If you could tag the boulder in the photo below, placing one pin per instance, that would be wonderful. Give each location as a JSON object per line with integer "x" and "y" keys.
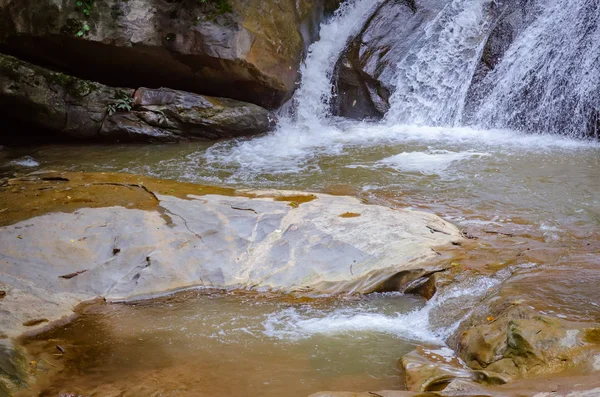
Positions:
{"x": 523, "y": 343}
{"x": 278, "y": 241}
{"x": 240, "y": 49}
{"x": 85, "y": 110}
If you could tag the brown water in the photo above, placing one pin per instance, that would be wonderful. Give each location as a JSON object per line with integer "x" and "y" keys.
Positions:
{"x": 542, "y": 192}
{"x": 206, "y": 344}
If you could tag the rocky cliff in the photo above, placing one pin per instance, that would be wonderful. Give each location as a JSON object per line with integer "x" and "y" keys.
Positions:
{"x": 245, "y": 50}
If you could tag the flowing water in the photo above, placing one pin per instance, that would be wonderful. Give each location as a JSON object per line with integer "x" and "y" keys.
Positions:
{"x": 433, "y": 77}
{"x": 549, "y": 77}
{"x": 206, "y": 343}
{"x": 540, "y": 190}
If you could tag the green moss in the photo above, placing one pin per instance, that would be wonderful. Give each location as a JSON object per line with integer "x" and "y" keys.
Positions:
{"x": 10, "y": 67}
{"x": 59, "y": 79}
{"x": 81, "y": 88}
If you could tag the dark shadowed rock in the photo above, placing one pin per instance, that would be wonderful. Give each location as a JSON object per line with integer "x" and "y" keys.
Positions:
{"x": 86, "y": 110}
{"x": 249, "y": 50}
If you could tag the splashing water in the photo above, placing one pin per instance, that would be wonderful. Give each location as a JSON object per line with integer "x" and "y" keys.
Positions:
{"x": 416, "y": 325}
{"x": 433, "y": 82}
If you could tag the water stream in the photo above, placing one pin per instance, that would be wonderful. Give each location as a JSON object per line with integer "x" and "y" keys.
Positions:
{"x": 542, "y": 188}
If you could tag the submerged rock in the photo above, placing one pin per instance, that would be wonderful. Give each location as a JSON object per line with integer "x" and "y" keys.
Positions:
{"x": 86, "y": 110}
{"x": 246, "y": 50}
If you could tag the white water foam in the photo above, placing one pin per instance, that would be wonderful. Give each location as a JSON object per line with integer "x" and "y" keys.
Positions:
{"x": 292, "y": 150}
{"x": 548, "y": 78}
{"x": 434, "y": 78}
{"x": 26, "y": 161}
{"x": 294, "y": 324}
{"x": 429, "y": 162}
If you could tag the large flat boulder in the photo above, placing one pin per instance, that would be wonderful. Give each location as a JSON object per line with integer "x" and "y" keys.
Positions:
{"x": 86, "y": 110}
{"x": 246, "y": 50}
{"x": 310, "y": 244}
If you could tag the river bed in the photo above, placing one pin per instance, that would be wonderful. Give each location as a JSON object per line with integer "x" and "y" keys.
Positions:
{"x": 531, "y": 199}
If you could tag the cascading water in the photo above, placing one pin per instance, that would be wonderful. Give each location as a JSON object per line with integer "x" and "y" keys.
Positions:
{"x": 432, "y": 85}
{"x": 549, "y": 79}
{"x": 311, "y": 100}
{"x": 433, "y": 77}
{"x": 302, "y": 125}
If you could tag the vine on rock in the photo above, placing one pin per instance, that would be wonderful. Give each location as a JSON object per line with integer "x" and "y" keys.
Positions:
{"x": 86, "y": 8}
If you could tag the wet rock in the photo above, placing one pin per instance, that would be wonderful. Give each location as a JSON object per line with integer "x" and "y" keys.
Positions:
{"x": 331, "y": 5}
{"x": 522, "y": 343}
{"x": 13, "y": 369}
{"x": 430, "y": 283}
{"x": 85, "y": 110}
{"x": 32, "y": 323}
{"x": 259, "y": 241}
{"x": 246, "y": 50}
{"x": 432, "y": 369}
{"x": 366, "y": 70}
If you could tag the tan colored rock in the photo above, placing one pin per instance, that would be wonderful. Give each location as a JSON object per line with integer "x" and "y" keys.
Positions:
{"x": 248, "y": 50}
{"x": 428, "y": 369}
{"x": 522, "y": 343}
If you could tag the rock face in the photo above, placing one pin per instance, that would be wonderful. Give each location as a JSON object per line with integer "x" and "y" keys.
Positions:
{"x": 366, "y": 70}
{"x": 523, "y": 343}
{"x": 86, "y": 110}
{"x": 246, "y": 50}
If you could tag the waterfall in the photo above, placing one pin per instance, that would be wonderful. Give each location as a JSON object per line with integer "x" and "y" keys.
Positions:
{"x": 433, "y": 77}
{"x": 311, "y": 100}
{"x": 549, "y": 79}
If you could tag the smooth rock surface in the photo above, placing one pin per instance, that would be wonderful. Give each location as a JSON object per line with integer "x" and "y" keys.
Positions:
{"x": 52, "y": 262}
{"x": 79, "y": 109}
{"x": 246, "y": 50}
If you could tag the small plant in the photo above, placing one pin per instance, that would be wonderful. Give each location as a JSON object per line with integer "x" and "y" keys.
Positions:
{"x": 123, "y": 103}
{"x": 85, "y": 6}
{"x": 85, "y": 28}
